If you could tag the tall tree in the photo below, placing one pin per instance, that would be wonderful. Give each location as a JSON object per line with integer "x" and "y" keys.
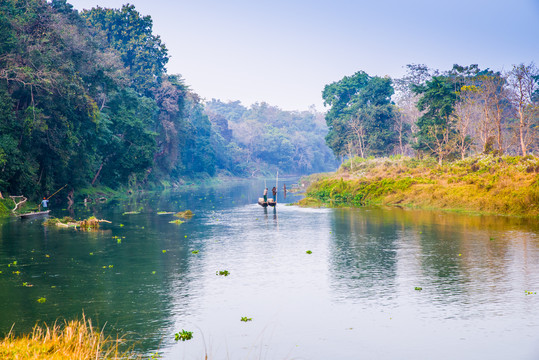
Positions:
{"x": 364, "y": 101}
{"x": 436, "y": 132}
{"x": 131, "y": 35}
{"x": 524, "y": 84}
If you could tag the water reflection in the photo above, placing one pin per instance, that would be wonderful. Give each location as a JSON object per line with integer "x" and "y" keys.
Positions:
{"x": 344, "y": 299}
{"x": 378, "y": 254}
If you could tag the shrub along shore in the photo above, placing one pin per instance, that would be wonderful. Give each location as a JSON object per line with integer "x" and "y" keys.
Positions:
{"x": 486, "y": 184}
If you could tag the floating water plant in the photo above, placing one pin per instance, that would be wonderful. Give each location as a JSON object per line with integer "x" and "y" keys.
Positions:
{"x": 187, "y": 214}
{"x": 131, "y": 213}
{"x": 176, "y": 222}
{"x": 154, "y": 272}
{"x": 41, "y": 300}
{"x": 418, "y": 288}
{"x": 92, "y": 223}
{"x": 222, "y": 272}
{"x": 25, "y": 284}
{"x": 245, "y": 319}
{"x": 164, "y": 212}
{"x": 183, "y": 335}
{"x": 309, "y": 252}
{"x": 194, "y": 252}
{"x": 530, "y": 292}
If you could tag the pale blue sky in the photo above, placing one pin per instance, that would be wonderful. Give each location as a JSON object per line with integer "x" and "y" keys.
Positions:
{"x": 285, "y": 51}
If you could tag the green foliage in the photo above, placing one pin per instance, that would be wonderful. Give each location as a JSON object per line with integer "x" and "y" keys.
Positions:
{"x": 245, "y": 319}
{"x": 130, "y": 34}
{"x": 437, "y": 100}
{"x": 85, "y": 100}
{"x": 361, "y": 119}
{"x": 183, "y": 335}
{"x": 222, "y": 272}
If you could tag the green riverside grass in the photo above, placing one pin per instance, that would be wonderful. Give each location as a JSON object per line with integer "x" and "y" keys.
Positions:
{"x": 483, "y": 184}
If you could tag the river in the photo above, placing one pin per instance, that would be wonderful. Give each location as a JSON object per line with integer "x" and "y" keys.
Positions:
{"x": 369, "y": 283}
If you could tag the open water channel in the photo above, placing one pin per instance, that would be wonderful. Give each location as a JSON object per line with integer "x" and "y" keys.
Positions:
{"x": 355, "y": 296}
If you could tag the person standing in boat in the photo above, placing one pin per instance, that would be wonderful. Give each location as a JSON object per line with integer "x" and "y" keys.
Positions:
{"x": 266, "y": 195}
{"x": 274, "y": 192}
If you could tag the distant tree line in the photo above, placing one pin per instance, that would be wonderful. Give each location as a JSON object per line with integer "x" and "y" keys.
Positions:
{"x": 447, "y": 115}
{"x": 85, "y": 99}
{"x": 263, "y": 138}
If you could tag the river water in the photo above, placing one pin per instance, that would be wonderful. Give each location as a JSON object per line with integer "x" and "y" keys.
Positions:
{"x": 355, "y": 296}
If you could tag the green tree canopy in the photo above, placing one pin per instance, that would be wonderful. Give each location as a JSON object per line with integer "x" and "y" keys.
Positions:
{"x": 361, "y": 116}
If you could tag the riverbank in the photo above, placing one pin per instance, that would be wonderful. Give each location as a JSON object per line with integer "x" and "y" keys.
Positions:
{"x": 507, "y": 185}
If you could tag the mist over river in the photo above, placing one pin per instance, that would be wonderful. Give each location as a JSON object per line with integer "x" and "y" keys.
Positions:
{"x": 368, "y": 283}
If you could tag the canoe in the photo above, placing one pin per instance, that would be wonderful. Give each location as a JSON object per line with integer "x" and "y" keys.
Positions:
{"x": 272, "y": 202}
{"x": 262, "y": 203}
{"x": 34, "y": 214}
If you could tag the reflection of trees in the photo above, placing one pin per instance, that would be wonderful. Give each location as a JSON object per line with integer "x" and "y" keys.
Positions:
{"x": 455, "y": 258}
{"x": 363, "y": 255}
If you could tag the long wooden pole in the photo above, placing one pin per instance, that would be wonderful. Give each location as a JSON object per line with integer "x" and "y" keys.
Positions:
{"x": 57, "y": 191}
{"x": 276, "y": 187}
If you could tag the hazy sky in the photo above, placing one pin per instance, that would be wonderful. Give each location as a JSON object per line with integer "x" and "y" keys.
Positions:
{"x": 285, "y": 51}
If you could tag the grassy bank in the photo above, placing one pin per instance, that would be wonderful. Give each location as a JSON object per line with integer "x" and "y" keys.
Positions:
{"x": 77, "y": 339}
{"x": 507, "y": 185}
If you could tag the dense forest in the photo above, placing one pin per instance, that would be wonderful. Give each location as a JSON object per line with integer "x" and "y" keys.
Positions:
{"x": 265, "y": 137}
{"x": 85, "y": 100}
{"x": 446, "y": 115}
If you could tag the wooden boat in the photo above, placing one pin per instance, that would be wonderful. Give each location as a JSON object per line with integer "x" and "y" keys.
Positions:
{"x": 263, "y": 203}
{"x": 34, "y": 214}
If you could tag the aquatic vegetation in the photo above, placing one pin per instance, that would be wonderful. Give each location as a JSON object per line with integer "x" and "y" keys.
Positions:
{"x": 530, "y": 292}
{"x": 131, "y": 213}
{"x": 309, "y": 252}
{"x": 92, "y": 223}
{"x": 41, "y": 300}
{"x": 26, "y": 284}
{"x": 222, "y": 272}
{"x": 183, "y": 335}
{"x": 91, "y": 253}
{"x": 62, "y": 341}
{"x": 194, "y": 252}
{"x": 178, "y": 221}
{"x": 154, "y": 272}
{"x": 164, "y": 251}
{"x": 187, "y": 214}
{"x": 165, "y": 212}
{"x": 245, "y": 319}
{"x": 418, "y": 288}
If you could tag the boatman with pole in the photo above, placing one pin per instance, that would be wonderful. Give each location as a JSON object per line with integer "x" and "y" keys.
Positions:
{"x": 44, "y": 203}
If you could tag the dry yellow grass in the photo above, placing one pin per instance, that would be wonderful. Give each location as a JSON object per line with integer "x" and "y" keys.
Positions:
{"x": 76, "y": 339}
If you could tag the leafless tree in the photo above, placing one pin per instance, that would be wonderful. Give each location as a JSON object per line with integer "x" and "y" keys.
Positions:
{"x": 358, "y": 131}
{"x": 523, "y": 82}
{"x": 466, "y": 113}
